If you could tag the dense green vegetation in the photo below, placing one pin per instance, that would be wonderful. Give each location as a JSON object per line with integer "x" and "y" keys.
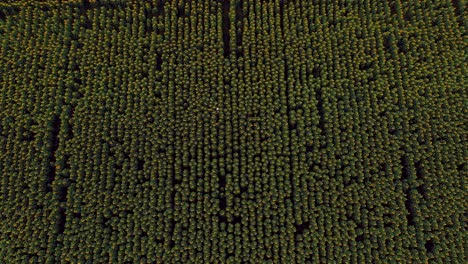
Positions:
{"x": 234, "y": 131}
